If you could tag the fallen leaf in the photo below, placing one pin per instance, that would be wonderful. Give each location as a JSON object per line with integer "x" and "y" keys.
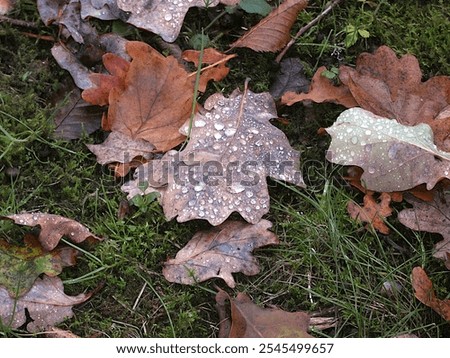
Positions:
{"x": 394, "y": 157}
{"x": 21, "y": 265}
{"x": 433, "y": 217}
{"x": 272, "y": 33}
{"x": 76, "y": 117}
{"x": 219, "y": 252}
{"x": 290, "y": 77}
{"x": 154, "y": 102}
{"x": 373, "y": 211}
{"x": 101, "y": 9}
{"x": 217, "y": 69}
{"x": 424, "y": 292}
{"x": 322, "y": 90}
{"x": 251, "y": 321}
{"x": 54, "y": 332}
{"x": 46, "y": 303}
{"x": 53, "y": 228}
{"x": 223, "y": 168}
{"x": 6, "y": 6}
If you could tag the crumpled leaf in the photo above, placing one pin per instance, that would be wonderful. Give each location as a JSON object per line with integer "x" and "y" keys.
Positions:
{"x": 394, "y": 157}
{"x": 232, "y": 148}
{"x": 272, "y": 33}
{"x": 321, "y": 90}
{"x": 290, "y": 77}
{"x": 76, "y": 117}
{"x": 155, "y": 100}
{"x": 372, "y": 211}
{"x": 21, "y": 265}
{"x": 163, "y": 17}
{"x": 53, "y": 228}
{"x": 251, "y": 321}
{"x": 217, "y": 69}
{"x": 424, "y": 292}
{"x": 431, "y": 217}
{"x": 219, "y": 252}
{"x": 46, "y": 302}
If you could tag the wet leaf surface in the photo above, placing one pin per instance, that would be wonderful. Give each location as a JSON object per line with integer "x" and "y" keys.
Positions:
{"x": 219, "y": 252}
{"x": 232, "y": 149}
{"x": 46, "y": 303}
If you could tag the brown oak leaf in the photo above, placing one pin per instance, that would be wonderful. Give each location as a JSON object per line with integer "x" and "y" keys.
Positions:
{"x": 223, "y": 168}
{"x": 271, "y": 34}
{"x": 433, "y": 217}
{"x": 248, "y": 320}
{"x": 219, "y": 252}
{"x": 424, "y": 292}
{"x": 53, "y": 228}
{"x": 46, "y": 303}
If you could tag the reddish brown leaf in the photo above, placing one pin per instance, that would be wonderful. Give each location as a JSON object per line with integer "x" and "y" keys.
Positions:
{"x": 104, "y": 84}
{"x": 424, "y": 292}
{"x": 219, "y": 252}
{"x": 372, "y": 211}
{"x": 6, "y": 6}
{"x": 46, "y": 303}
{"x": 251, "y": 321}
{"x": 216, "y": 60}
{"x": 431, "y": 216}
{"x": 322, "y": 90}
{"x": 53, "y": 228}
{"x": 272, "y": 33}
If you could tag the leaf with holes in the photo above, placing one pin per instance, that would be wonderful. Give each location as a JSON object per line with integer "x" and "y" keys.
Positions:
{"x": 219, "y": 252}
{"x": 46, "y": 303}
{"x": 433, "y": 217}
{"x": 248, "y": 320}
{"x": 232, "y": 149}
{"x": 53, "y": 228}
{"x": 394, "y": 157}
{"x": 21, "y": 265}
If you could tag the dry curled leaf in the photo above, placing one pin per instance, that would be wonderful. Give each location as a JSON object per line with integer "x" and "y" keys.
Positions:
{"x": 394, "y": 157}
{"x": 251, "y": 321}
{"x": 272, "y": 33}
{"x": 219, "y": 252}
{"x": 373, "y": 211}
{"x": 46, "y": 303}
{"x": 424, "y": 292}
{"x": 53, "y": 228}
{"x": 322, "y": 90}
{"x": 232, "y": 149}
{"x": 433, "y": 217}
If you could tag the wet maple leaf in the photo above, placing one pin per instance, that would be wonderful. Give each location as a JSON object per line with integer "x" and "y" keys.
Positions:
{"x": 431, "y": 216}
{"x": 424, "y": 292}
{"x": 232, "y": 149}
{"x": 46, "y": 303}
{"x": 272, "y": 33}
{"x": 394, "y": 157}
{"x": 219, "y": 252}
{"x": 53, "y": 228}
{"x": 251, "y": 321}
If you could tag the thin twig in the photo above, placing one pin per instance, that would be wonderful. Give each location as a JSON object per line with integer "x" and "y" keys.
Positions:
{"x": 16, "y": 22}
{"x": 39, "y": 37}
{"x": 306, "y": 28}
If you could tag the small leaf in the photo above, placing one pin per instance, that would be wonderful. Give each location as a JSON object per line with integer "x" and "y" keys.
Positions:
{"x": 46, "y": 303}
{"x": 260, "y": 7}
{"x": 290, "y": 78}
{"x": 364, "y": 33}
{"x": 219, "y": 252}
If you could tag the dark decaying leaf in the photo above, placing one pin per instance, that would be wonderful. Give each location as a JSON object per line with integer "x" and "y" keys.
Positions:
{"x": 232, "y": 149}
{"x": 53, "y": 228}
{"x": 290, "y": 77}
{"x": 431, "y": 216}
{"x": 21, "y": 265}
{"x": 272, "y": 33}
{"x": 251, "y": 321}
{"x": 46, "y": 303}
{"x": 219, "y": 252}
{"x": 76, "y": 117}
{"x": 394, "y": 157}
{"x": 424, "y": 292}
